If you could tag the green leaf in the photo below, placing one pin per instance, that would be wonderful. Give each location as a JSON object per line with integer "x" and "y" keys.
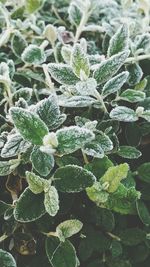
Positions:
{"x": 99, "y": 166}
{"x": 49, "y": 112}
{"x": 68, "y": 228}
{"x": 129, "y": 152}
{"x": 6, "y": 259}
{"x": 74, "y": 14}
{"x": 7, "y": 167}
{"x": 36, "y": 183}
{"x": 114, "y": 175}
{"x": 18, "y": 44}
{"x": 135, "y": 74}
{"x": 119, "y": 263}
{"x": 4, "y": 207}
{"x": 42, "y": 162}
{"x": 51, "y": 201}
{"x": 97, "y": 194}
{"x": 62, "y": 73}
{"x": 73, "y": 138}
{"x": 125, "y": 114}
{"x": 29, "y": 207}
{"x": 116, "y": 249}
{"x": 132, "y": 236}
{"x": 119, "y": 42}
{"x": 87, "y": 87}
{"x": 109, "y": 67}
{"x": 29, "y": 125}
{"x": 15, "y": 145}
{"x": 145, "y": 115}
{"x": 143, "y": 212}
{"x": 60, "y": 254}
{"x": 77, "y": 101}
{"x": 133, "y": 134}
{"x": 80, "y": 61}
{"x": 115, "y": 84}
{"x": 33, "y": 5}
{"x": 72, "y": 178}
{"x": 132, "y": 96}
{"x": 144, "y": 172}
{"x": 33, "y": 55}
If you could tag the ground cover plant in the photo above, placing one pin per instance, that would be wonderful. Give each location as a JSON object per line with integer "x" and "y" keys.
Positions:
{"x": 74, "y": 133}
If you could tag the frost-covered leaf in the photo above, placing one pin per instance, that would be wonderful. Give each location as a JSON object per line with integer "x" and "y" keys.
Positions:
{"x": 15, "y": 145}
{"x": 29, "y": 125}
{"x": 51, "y": 201}
{"x": 132, "y": 96}
{"x": 33, "y": 5}
{"x": 18, "y": 44}
{"x": 87, "y": 87}
{"x": 114, "y": 84}
{"x": 144, "y": 172}
{"x": 73, "y": 138}
{"x": 25, "y": 93}
{"x": 97, "y": 194}
{"x": 143, "y": 212}
{"x": 68, "y": 228}
{"x": 76, "y": 101}
{"x": 146, "y": 115}
{"x": 114, "y": 175}
{"x": 62, "y": 73}
{"x": 50, "y": 33}
{"x": 129, "y": 152}
{"x": 143, "y": 42}
{"x": 7, "y": 167}
{"x": 42, "y": 162}
{"x": 125, "y": 114}
{"x": 119, "y": 42}
{"x": 109, "y": 67}
{"x": 29, "y": 207}
{"x": 60, "y": 253}
{"x": 72, "y": 178}
{"x": 75, "y": 14}
{"x": 36, "y": 183}
{"x": 80, "y": 61}
{"x": 6, "y": 259}
{"x": 33, "y": 55}
{"x": 135, "y": 74}
{"x": 48, "y": 110}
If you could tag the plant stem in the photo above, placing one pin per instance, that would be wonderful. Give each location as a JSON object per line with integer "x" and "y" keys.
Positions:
{"x": 85, "y": 157}
{"x": 138, "y": 58}
{"x": 48, "y": 78}
{"x": 114, "y": 236}
{"x": 83, "y": 21}
{"x": 99, "y": 97}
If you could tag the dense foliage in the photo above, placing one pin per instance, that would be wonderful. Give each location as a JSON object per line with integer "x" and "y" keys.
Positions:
{"x": 74, "y": 133}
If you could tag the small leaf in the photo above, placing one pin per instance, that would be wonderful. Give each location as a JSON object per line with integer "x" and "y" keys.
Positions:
{"x": 77, "y": 101}
{"x": 75, "y": 14}
{"x": 114, "y": 175}
{"x": 135, "y": 74}
{"x": 129, "y": 152}
{"x": 97, "y": 194}
{"x": 33, "y": 5}
{"x": 60, "y": 253}
{"x": 144, "y": 172}
{"x": 68, "y": 228}
{"x": 29, "y": 207}
{"x": 4, "y": 207}
{"x": 146, "y": 115}
{"x": 6, "y": 259}
{"x": 15, "y": 145}
{"x": 51, "y": 201}
{"x": 132, "y": 96}
{"x": 42, "y": 162}
{"x": 62, "y": 73}
{"x": 79, "y": 61}
{"x": 143, "y": 212}
{"x": 109, "y": 67}
{"x": 50, "y": 33}
{"x": 119, "y": 42}
{"x": 36, "y": 184}
{"x": 87, "y": 87}
{"x": 33, "y": 55}
{"x": 72, "y": 138}
{"x": 48, "y": 110}
{"x": 7, "y": 167}
{"x": 18, "y": 44}
{"x": 29, "y": 125}
{"x": 115, "y": 84}
{"x": 72, "y": 178}
{"x": 125, "y": 114}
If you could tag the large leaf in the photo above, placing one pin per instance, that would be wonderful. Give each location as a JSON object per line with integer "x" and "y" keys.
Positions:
{"x": 29, "y": 125}
{"x": 119, "y": 42}
{"x": 7, "y": 167}
{"x": 72, "y": 138}
{"x": 68, "y": 228}
{"x": 143, "y": 212}
{"x": 60, "y": 254}
{"x": 123, "y": 114}
{"x": 144, "y": 172}
{"x": 109, "y": 67}
{"x": 72, "y": 178}
{"x": 129, "y": 152}
{"x": 29, "y": 207}
{"x": 62, "y": 73}
{"x": 33, "y": 55}
{"x": 6, "y": 259}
